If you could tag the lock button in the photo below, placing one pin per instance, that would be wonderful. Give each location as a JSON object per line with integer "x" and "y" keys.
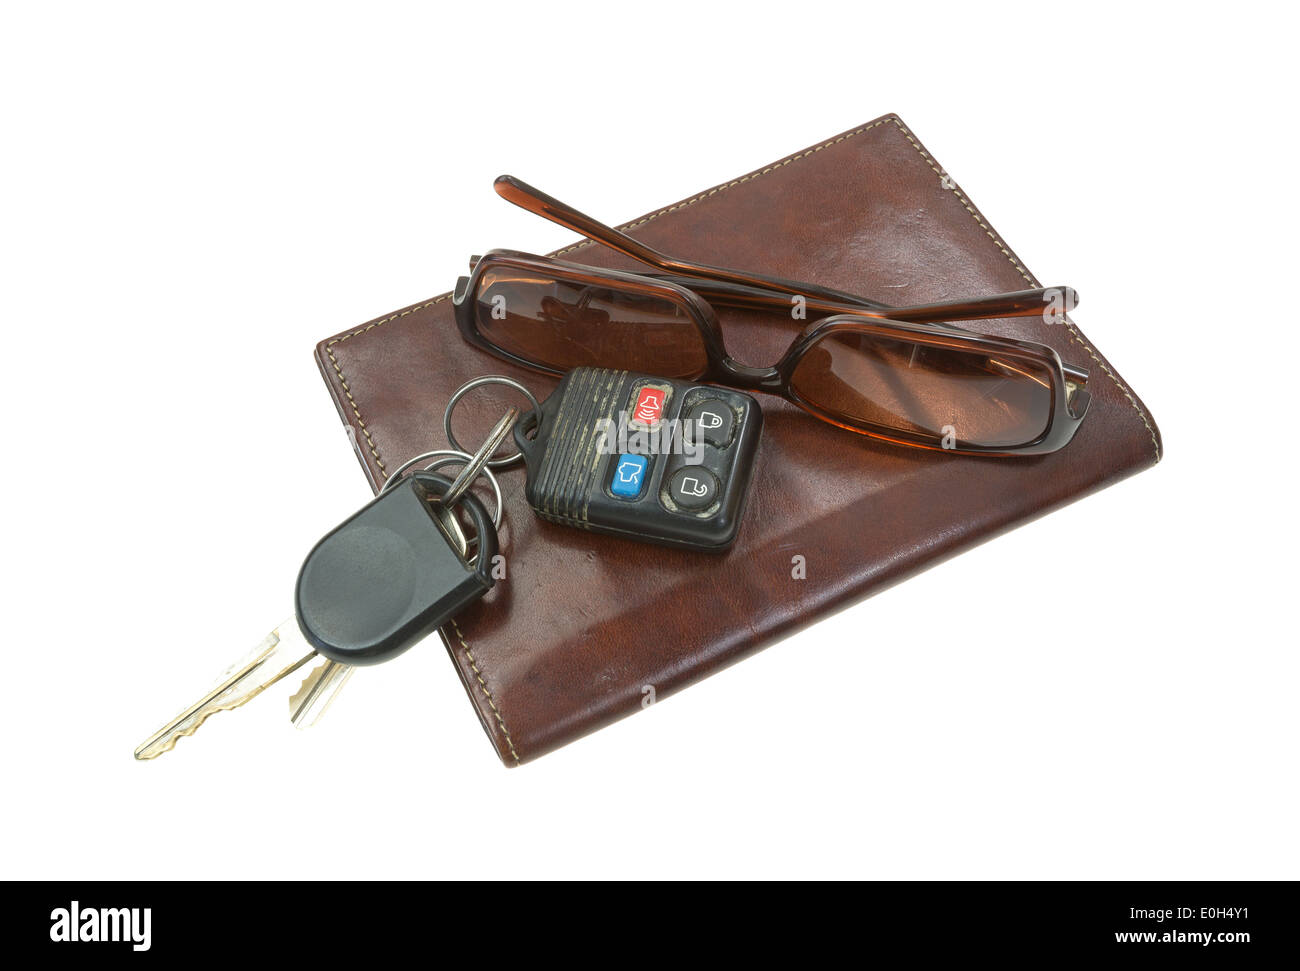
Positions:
{"x": 714, "y": 420}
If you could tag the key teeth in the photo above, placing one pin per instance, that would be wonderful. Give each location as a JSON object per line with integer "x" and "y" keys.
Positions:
{"x": 176, "y": 736}
{"x": 241, "y": 683}
{"x": 297, "y": 699}
{"x": 317, "y": 692}
{"x": 163, "y": 750}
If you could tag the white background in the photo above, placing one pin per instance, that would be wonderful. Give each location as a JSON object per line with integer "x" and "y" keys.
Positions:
{"x": 192, "y": 198}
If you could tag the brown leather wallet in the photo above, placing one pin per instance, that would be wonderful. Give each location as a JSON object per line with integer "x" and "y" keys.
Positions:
{"x": 545, "y": 658}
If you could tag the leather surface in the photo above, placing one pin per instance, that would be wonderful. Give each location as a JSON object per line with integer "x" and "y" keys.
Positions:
{"x": 546, "y": 657}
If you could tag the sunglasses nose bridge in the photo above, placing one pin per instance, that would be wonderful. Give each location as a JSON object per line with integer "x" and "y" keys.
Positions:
{"x": 749, "y": 378}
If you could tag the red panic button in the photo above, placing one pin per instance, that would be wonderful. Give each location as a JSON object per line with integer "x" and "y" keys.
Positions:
{"x": 649, "y": 406}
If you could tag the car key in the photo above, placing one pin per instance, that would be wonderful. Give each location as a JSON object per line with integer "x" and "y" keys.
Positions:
{"x": 371, "y": 588}
{"x": 647, "y": 458}
{"x": 319, "y": 689}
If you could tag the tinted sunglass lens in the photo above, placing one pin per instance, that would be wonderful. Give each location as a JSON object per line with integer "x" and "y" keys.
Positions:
{"x": 562, "y": 323}
{"x": 944, "y": 394}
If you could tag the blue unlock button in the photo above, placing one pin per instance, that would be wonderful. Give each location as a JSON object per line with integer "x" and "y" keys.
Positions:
{"x": 629, "y": 476}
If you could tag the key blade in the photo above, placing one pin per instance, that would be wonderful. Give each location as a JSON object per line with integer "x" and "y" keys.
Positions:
{"x": 274, "y": 658}
{"x": 451, "y": 528}
{"x": 318, "y": 691}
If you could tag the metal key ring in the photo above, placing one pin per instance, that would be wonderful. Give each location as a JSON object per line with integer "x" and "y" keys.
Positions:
{"x": 469, "y": 386}
{"x": 452, "y": 456}
{"x": 470, "y": 472}
{"x": 445, "y": 456}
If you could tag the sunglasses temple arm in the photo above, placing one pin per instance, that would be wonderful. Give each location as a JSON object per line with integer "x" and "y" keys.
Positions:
{"x": 548, "y": 207}
{"x": 1020, "y": 304}
{"x": 1048, "y": 302}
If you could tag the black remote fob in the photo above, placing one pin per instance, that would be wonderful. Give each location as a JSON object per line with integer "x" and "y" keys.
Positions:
{"x": 642, "y": 457}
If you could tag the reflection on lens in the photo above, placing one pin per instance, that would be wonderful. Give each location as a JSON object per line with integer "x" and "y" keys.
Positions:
{"x": 564, "y": 324}
{"x": 939, "y": 393}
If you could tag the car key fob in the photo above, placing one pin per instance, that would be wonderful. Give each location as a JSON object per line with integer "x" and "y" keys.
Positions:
{"x": 642, "y": 457}
{"x": 390, "y": 574}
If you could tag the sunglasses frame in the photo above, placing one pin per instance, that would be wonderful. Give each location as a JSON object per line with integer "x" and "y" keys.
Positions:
{"x": 1070, "y": 398}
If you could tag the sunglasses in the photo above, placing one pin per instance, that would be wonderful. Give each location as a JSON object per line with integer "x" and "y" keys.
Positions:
{"x": 900, "y": 374}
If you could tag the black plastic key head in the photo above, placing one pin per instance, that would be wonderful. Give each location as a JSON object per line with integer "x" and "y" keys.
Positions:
{"x": 389, "y": 575}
